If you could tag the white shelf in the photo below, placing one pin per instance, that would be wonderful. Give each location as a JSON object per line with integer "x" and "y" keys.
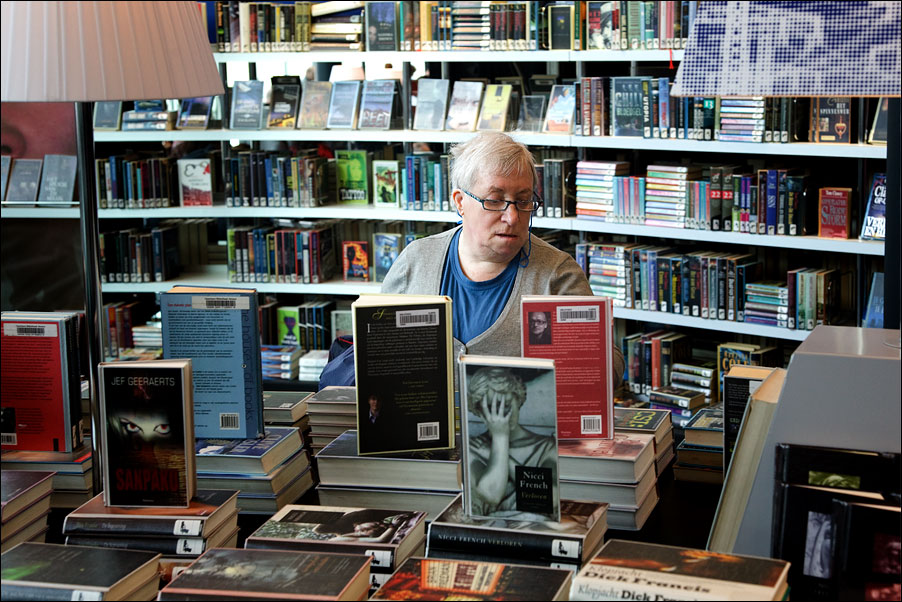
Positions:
{"x": 453, "y": 56}
{"x": 659, "y": 317}
{"x": 798, "y": 149}
{"x": 626, "y": 55}
{"x": 40, "y": 212}
{"x": 327, "y": 212}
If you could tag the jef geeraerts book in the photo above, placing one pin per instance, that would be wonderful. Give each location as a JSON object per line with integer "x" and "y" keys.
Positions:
{"x": 402, "y": 359}
{"x": 148, "y": 443}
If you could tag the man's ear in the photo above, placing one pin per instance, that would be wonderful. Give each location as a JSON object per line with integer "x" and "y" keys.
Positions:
{"x": 458, "y": 197}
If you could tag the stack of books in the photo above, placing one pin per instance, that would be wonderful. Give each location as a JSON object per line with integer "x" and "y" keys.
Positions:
{"x": 269, "y": 473}
{"x": 767, "y": 302}
{"x": 566, "y": 544}
{"x": 742, "y": 119}
{"x": 287, "y": 408}
{"x": 595, "y": 191}
{"x": 682, "y": 403}
{"x": 620, "y": 471}
{"x": 332, "y": 411}
{"x": 280, "y": 361}
{"x": 311, "y": 364}
{"x": 389, "y": 537}
{"x": 341, "y": 30}
{"x": 696, "y": 376}
{"x": 700, "y": 453}
{"x": 148, "y": 336}
{"x": 73, "y": 472}
{"x": 657, "y": 422}
{"x": 149, "y": 115}
{"x": 25, "y": 506}
{"x": 179, "y": 534}
{"x": 46, "y": 571}
{"x": 422, "y": 480}
{"x": 666, "y": 196}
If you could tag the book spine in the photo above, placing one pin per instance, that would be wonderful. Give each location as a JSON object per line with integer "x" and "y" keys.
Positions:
{"x": 506, "y": 543}
{"x": 132, "y": 525}
{"x": 178, "y": 546}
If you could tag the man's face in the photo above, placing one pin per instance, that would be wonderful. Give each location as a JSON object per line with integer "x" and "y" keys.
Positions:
{"x": 375, "y": 404}
{"x": 537, "y": 323}
{"x": 495, "y": 236}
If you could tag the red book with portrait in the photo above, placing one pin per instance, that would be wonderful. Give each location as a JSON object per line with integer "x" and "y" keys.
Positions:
{"x": 148, "y": 442}
{"x": 577, "y": 333}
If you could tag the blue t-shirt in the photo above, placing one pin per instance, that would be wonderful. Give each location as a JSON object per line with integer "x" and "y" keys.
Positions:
{"x": 476, "y": 305}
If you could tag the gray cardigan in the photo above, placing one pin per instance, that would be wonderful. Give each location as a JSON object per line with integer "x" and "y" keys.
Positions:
{"x": 418, "y": 270}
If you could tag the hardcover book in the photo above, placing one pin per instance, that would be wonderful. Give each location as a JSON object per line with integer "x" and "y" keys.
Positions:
{"x": 377, "y": 104}
{"x": 439, "y": 579}
{"x": 637, "y": 570}
{"x": 831, "y": 119}
{"x": 389, "y": 536}
{"x": 432, "y": 102}
{"x": 626, "y": 106}
{"x": 381, "y": 26}
{"x": 577, "y": 333}
{"x": 253, "y": 456}
{"x": 641, "y": 420}
{"x": 21, "y": 489}
{"x": 284, "y": 407}
{"x": 247, "y": 105}
{"x": 738, "y": 384}
{"x": 561, "y": 109}
{"x": 45, "y": 571}
{"x": 493, "y": 114}
{"x": 343, "y": 105}
{"x": 463, "y": 109}
{"x": 573, "y": 540}
{"x": 623, "y": 459}
{"x": 271, "y": 574}
{"x": 195, "y": 182}
{"x": 729, "y": 355}
{"x": 355, "y": 261}
{"x": 560, "y": 27}
{"x": 108, "y": 115}
{"x": 228, "y": 391}
{"x": 386, "y": 183}
{"x": 874, "y": 225}
{"x": 315, "y": 105}
{"x": 24, "y": 179}
{"x": 402, "y": 360}
{"x": 194, "y": 113}
{"x": 510, "y": 395}
{"x": 149, "y": 438}
{"x": 58, "y": 180}
{"x": 386, "y": 247}
{"x": 834, "y": 206}
{"x": 705, "y": 428}
{"x": 285, "y": 101}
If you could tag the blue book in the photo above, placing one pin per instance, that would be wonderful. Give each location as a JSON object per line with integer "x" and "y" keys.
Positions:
{"x": 874, "y": 225}
{"x": 218, "y": 329}
{"x": 253, "y": 456}
{"x": 873, "y": 317}
{"x": 772, "y": 201}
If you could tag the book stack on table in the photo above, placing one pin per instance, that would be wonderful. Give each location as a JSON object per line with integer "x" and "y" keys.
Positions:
{"x": 280, "y": 361}
{"x": 700, "y": 453}
{"x": 73, "y": 472}
{"x": 269, "y": 472}
{"x": 619, "y": 471}
{"x": 179, "y": 534}
{"x": 332, "y": 411}
{"x": 656, "y": 422}
{"x": 25, "y": 506}
{"x": 311, "y": 364}
{"x": 682, "y": 403}
{"x": 287, "y": 409}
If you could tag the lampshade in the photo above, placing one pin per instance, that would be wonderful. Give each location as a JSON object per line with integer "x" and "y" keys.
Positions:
{"x": 91, "y": 51}
{"x": 792, "y": 49}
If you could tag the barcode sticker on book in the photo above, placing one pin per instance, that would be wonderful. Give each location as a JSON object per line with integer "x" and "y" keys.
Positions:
{"x": 187, "y": 528}
{"x": 577, "y": 313}
{"x": 198, "y": 302}
{"x": 590, "y": 425}
{"x": 9, "y": 439}
{"x": 380, "y": 557}
{"x": 29, "y": 330}
{"x": 81, "y": 594}
{"x": 229, "y": 421}
{"x": 427, "y": 431}
{"x": 565, "y": 548}
{"x": 416, "y": 317}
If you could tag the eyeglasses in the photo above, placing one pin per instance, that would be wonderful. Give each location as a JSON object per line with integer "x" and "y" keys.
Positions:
{"x": 496, "y": 205}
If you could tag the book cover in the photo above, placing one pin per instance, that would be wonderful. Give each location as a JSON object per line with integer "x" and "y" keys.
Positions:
{"x": 195, "y": 182}
{"x": 355, "y": 261}
{"x": 343, "y": 105}
{"x": 389, "y": 536}
{"x": 284, "y": 406}
{"x": 58, "y": 180}
{"x": 285, "y": 101}
{"x": 730, "y": 354}
{"x": 623, "y": 459}
{"x": 560, "y": 27}
{"x": 24, "y": 178}
{"x": 873, "y": 315}
{"x": 108, "y": 115}
{"x": 504, "y": 409}
{"x": 194, "y": 113}
{"x": 463, "y": 108}
{"x": 271, "y": 574}
{"x": 386, "y": 247}
{"x": 253, "y": 456}
{"x": 577, "y": 333}
{"x": 561, "y": 108}
{"x": 147, "y": 410}
{"x": 228, "y": 392}
{"x": 642, "y": 420}
{"x": 432, "y": 102}
{"x": 386, "y": 183}
{"x": 20, "y": 489}
{"x": 738, "y": 385}
{"x": 247, "y": 105}
{"x": 381, "y": 26}
{"x": 638, "y": 570}
{"x": 532, "y": 112}
{"x": 834, "y": 206}
{"x": 705, "y": 428}
{"x": 867, "y": 540}
{"x": 493, "y": 114}
{"x": 376, "y": 106}
{"x": 352, "y": 169}
{"x": 440, "y": 579}
{"x": 403, "y": 363}
{"x": 315, "y": 105}
{"x": 571, "y": 540}
{"x": 832, "y": 119}
{"x": 626, "y": 106}
{"x": 874, "y": 225}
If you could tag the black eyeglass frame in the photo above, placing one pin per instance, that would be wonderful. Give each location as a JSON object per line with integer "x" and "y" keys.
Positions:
{"x": 536, "y": 199}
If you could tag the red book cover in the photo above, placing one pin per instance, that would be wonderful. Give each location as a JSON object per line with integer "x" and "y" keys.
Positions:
{"x": 355, "y": 260}
{"x": 576, "y": 332}
{"x": 35, "y": 412}
{"x": 833, "y": 212}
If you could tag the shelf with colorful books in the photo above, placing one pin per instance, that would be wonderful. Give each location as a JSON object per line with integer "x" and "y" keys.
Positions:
{"x": 660, "y": 317}
{"x": 456, "y": 56}
{"x": 801, "y": 149}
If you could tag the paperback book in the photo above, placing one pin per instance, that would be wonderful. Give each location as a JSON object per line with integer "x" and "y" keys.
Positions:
{"x": 195, "y": 182}
{"x": 285, "y": 101}
{"x": 108, "y": 115}
{"x": 194, "y": 113}
{"x": 386, "y": 247}
{"x": 463, "y": 109}
{"x": 58, "y": 180}
{"x": 24, "y": 178}
{"x": 874, "y": 225}
{"x": 355, "y": 261}
{"x": 493, "y": 114}
{"x": 377, "y": 104}
{"x": 343, "y": 105}
{"x": 381, "y": 26}
{"x": 386, "y": 183}
{"x": 561, "y": 108}
{"x": 432, "y": 103}
{"x": 315, "y": 105}
{"x": 510, "y": 394}
{"x": 247, "y": 105}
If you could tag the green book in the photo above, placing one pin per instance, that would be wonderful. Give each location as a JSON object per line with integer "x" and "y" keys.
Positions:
{"x": 353, "y": 169}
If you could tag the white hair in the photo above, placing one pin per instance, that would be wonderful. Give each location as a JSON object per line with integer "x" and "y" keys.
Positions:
{"x": 489, "y": 153}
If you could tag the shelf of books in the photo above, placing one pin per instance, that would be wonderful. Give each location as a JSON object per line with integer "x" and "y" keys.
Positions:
{"x": 660, "y": 317}
{"x": 455, "y": 56}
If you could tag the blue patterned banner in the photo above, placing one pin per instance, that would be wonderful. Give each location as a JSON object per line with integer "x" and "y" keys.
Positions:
{"x": 793, "y": 49}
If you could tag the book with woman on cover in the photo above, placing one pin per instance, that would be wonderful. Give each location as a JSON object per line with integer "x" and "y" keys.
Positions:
{"x": 509, "y": 438}
{"x": 149, "y": 438}
{"x": 402, "y": 359}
